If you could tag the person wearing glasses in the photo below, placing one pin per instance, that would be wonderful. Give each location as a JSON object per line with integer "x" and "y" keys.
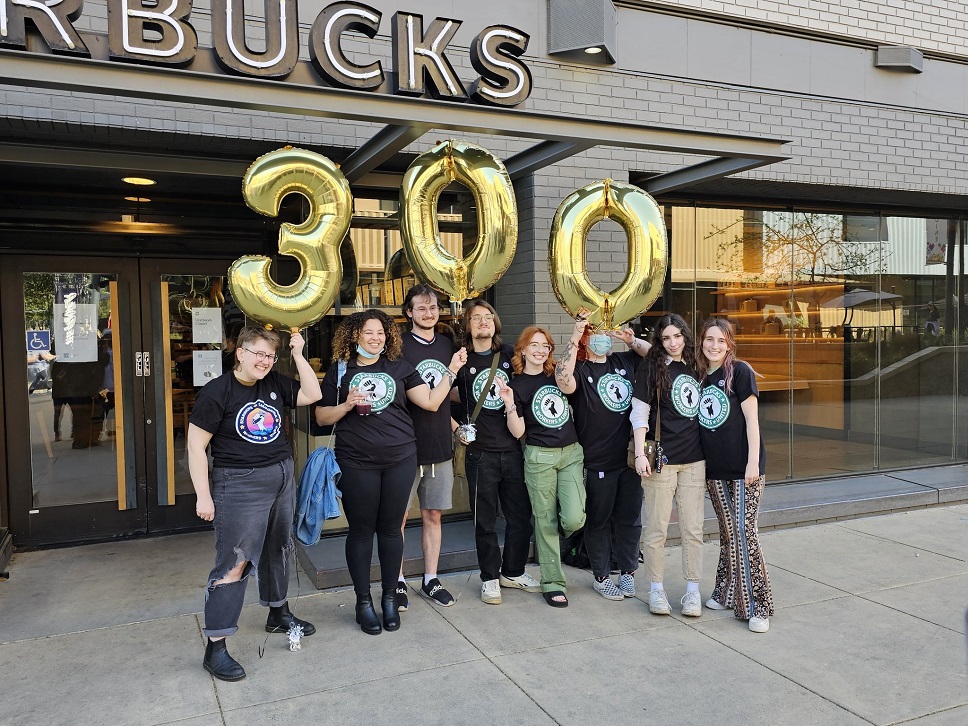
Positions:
{"x": 495, "y": 469}
{"x": 538, "y": 412}
{"x": 735, "y": 475}
{"x": 250, "y": 497}
{"x": 599, "y": 383}
{"x": 376, "y": 448}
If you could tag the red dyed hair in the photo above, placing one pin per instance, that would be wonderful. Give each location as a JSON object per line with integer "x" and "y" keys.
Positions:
{"x": 517, "y": 361}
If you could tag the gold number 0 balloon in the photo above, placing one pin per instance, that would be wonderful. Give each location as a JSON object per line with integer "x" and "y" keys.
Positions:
{"x": 497, "y": 222}
{"x": 315, "y": 242}
{"x": 640, "y": 217}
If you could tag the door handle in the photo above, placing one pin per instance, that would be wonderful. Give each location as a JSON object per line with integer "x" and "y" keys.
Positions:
{"x": 147, "y": 356}
{"x": 139, "y": 364}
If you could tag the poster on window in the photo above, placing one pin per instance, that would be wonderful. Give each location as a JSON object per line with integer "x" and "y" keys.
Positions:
{"x": 206, "y": 366}
{"x": 75, "y": 319}
{"x": 936, "y": 246}
{"x": 207, "y": 325}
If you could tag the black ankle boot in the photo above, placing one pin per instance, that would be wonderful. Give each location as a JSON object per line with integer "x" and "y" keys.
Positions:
{"x": 366, "y": 615}
{"x": 280, "y": 620}
{"x": 220, "y": 664}
{"x": 391, "y": 615}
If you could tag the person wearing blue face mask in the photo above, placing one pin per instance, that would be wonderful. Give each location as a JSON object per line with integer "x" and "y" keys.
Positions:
{"x": 598, "y": 384}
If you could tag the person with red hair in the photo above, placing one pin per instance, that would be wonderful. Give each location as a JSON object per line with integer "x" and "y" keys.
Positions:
{"x": 553, "y": 459}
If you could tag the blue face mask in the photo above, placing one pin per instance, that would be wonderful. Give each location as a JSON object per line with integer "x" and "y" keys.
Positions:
{"x": 365, "y": 354}
{"x": 600, "y": 344}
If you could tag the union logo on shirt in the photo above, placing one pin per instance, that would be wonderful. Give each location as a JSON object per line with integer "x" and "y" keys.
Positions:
{"x": 431, "y": 371}
{"x": 615, "y": 392}
{"x": 549, "y": 407}
{"x": 685, "y": 395}
{"x": 493, "y": 401}
{"x": 258, "y": 422}
{"x": 381, "y": 388}
{"x": 713, "y": 408}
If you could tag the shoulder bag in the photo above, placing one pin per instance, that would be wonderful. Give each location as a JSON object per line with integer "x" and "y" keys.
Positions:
{"x": 460, "y": 448}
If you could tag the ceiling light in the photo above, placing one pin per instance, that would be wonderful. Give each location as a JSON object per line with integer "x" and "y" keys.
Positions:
{"x": 138, "y": 181}
{"x": 137, "y": 199}
{"x": 593, "y": 50}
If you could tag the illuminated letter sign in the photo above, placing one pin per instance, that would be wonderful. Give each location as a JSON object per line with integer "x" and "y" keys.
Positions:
{"x": 134, "y": 24}
{"x": 419, "y": 57}
{"x": 281, "y": 34}
{"x": 327, "y": 55}
{"x": 53, "y": 22}
{"x": 505, "y": 80}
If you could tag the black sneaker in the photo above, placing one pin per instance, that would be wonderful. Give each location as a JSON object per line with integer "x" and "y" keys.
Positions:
{"x": 403, "y": 602}
{"x": 436, "y": 593}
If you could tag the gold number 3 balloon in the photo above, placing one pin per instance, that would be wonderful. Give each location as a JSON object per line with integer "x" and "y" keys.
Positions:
{"x": 497, "y": 221}
{"x": 640, "y": 217}
{"x": 315, "y": 242}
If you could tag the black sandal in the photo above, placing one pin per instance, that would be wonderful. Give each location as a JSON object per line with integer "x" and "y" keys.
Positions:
{"x": 550, "y": 599}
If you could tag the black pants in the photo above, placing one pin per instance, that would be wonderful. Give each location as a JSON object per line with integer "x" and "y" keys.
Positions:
{"x": 375, "y": 500}
{"x": 613, "y": 519}
{"x": 492, "y": 477}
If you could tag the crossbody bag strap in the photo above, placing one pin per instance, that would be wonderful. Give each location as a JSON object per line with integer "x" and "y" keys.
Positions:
{"x": 658, "y": 412}
{"x": 340, "y": 371}
{"x": 487, "y": 387}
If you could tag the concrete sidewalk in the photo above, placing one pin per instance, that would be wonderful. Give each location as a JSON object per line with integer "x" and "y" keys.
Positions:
{"x": 870, "y": 628}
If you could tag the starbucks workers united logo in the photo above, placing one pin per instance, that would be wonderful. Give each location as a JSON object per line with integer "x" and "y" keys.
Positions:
{"x": 431, "y": 371}
{"x": 381, "y": 388}
{"x": 615, "y": 392}
{"x": 685, "y": 395}
{"x": 550, "y": 407}
{"x": 493, "y": 401}
{"x": 713, "y": 408}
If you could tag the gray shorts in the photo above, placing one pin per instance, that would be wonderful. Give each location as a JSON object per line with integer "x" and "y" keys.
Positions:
{"x": 434, "y": 485}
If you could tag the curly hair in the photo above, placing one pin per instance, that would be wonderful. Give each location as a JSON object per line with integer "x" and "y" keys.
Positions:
{"x": 654, "y": 366}
{"x": 517, "y": 360}
{"x": 348, "y": 335}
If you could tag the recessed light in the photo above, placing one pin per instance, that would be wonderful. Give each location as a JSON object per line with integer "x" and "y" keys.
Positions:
{"x": 138, "y": 181}
{"x": 137, "y": 199}
{"x": 593, "y": 50}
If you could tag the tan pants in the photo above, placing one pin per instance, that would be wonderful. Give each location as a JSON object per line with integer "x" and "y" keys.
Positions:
{"x": 687, "y": 485}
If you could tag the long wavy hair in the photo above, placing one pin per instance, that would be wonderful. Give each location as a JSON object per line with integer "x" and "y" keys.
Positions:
{"x": 730, "y": 360}
{"x": 517, "y": 361}
{"x": 348, "y": 335}
{"x": 253, "y": 332}
{"x": 466, "y": 340}
{"x": 654, "y": 366}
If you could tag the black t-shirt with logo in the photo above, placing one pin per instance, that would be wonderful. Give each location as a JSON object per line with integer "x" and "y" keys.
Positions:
{"x": 544, "y": 408}
{"x": 492, "y": 427}
{"x": 385, "y": 437}
{"x": 246, "y": 422}
{"x": 723, "y": 425}
{"x": 679, "y": 434}
{"x": 602, "y": 401}
{"x": 434, "y": 442}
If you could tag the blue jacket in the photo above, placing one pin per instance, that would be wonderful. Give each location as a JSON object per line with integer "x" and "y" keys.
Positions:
{"x": 317, "y": 495}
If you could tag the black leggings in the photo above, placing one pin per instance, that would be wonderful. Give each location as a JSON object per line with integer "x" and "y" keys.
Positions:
{"x": 375, "y": 500}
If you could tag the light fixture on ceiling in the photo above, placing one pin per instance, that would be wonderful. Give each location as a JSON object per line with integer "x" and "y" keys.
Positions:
{"x": 593, "y": 50}
{"x": 139, "y": 181}
{"x": 140, "y": 200}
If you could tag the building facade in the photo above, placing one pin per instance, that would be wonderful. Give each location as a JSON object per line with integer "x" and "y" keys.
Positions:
{"x": 806, "y": 157}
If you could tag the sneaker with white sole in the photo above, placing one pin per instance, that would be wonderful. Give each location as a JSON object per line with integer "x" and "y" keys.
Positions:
{"x": 437, "y": 594}
{"x": 759, "y": 625}
{"x": 659, "y": 603}
{"x": 403, "y": 601}
{"x": 714, "y": 605}
{"x": 691, "y": 604}
{"x": 491, "y": 592}
{"x": 523, "y": 581}
{"x": 607, "y": 589}
{"x": 626, "y": 584}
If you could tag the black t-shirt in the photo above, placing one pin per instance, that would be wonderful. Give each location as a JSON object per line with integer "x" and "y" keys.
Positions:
{"x": 601, "y": 402}
{"x": 679, "y": 434}
{"x": 544, "y": 408}
{"x": 492, "y": 427}
{"x": 386, "y": 436}
{"x": 723, "y": 425}
{"x": 246, "y": 422}
{"x": 435, "y": 442}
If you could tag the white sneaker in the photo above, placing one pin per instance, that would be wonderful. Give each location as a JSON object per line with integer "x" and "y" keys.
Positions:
{"x": 714, "y": 605}
{"x": 659, "y": 603}
{"x": 491, "y": 592}
{"x": 759, "y": 625}
{"x": 521, "y": 582}
{"x": 691, "y": 604}
{"x": 607, "y": 589}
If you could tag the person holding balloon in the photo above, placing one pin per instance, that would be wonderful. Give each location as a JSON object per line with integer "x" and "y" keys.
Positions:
{"x": 735, "y": 471}
{"x": 598, "y": 384}
{"x": 365, "y": 395}
{"x": 250, "y": 497}
{"x": 665, "y": 400}
{"x": 537, "y": 411}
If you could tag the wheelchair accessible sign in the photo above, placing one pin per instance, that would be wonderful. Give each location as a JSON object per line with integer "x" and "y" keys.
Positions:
{"x": 38, "y": 341}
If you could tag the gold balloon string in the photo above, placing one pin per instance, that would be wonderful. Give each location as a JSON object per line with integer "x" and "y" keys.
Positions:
{"x": 451, "y": 167}
{"x": 606, "y": 189}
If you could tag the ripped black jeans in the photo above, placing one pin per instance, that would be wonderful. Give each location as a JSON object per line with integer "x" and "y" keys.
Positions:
{"x": 253, "y": 522}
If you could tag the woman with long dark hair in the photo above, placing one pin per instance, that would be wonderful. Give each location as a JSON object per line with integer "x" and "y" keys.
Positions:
{"x": 735, "y": 474}
{"x": 538, "y": 412}
{"x": 665, "y": 400}
{"x": 365, "y": 394}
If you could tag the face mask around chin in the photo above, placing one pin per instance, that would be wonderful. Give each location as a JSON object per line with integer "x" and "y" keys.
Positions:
{"x": 600, "y": 344}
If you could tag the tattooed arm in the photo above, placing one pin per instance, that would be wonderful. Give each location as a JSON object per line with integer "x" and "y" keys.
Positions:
{"x": 627, "y": 336}
{"x": 565, "y": 368}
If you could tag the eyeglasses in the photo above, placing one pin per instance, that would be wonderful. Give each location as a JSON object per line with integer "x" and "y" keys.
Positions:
{"x": 431, "y": 309}
{"x": 260, "y": 356}
{"x": 539, "y": 346}
{"x": 482, "y": 318}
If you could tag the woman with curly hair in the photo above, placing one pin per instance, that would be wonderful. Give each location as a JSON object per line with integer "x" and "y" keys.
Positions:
{"x": 365, "y": 394}
{"x": 735, "y": 470}
{"x": 538, "y": 411}
{"x": 666, "y": 396}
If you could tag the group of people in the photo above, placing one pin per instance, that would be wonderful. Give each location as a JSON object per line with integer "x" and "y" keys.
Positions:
{"x": 554, "y": 445}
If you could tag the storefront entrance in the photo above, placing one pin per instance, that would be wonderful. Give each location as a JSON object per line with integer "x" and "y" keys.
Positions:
{"x": 116, "y": 350}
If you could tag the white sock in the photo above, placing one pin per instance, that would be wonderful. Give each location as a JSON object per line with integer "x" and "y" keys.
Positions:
{"x": 428, "y": 576}
{"x": 692, "y": 586}
{"x": 656, "y": 586}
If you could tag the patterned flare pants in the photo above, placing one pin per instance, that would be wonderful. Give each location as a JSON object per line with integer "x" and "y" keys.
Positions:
{"x": 742, "y": 582}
